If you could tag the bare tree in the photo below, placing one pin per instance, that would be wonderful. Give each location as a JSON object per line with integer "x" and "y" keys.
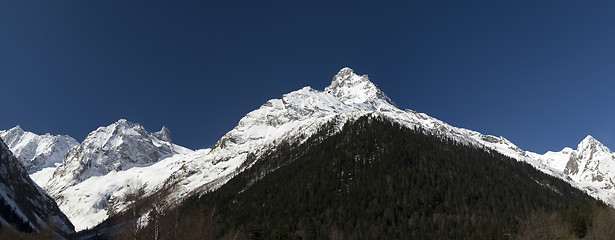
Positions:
{"x": 134, "y": 196}
{"x": 544, "y": 226}
{"x": 602, "y": 227}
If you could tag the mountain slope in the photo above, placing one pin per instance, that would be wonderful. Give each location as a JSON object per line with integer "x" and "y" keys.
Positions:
{"x": 299, "y": 114}
{"x": 37, "y": 151}
{"x": 111, "y": 154}
{"x": 23, "y": 203}
{"x": 293, "y": 118}
{"x": 591, "y": 165}
{"x": 373, "y": 179}
{"x": 95, "y": 175}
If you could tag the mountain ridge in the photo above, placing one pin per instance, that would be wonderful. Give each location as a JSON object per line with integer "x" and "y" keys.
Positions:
{"x": 297, "y": 114}
{"x": 374, "y": 179}
{"x": 95, "y": 175}
{"x": 292, "y": 119}
{"x": 35, "y": 151}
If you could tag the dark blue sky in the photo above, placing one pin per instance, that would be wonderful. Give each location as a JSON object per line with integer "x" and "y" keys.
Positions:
{"x": 540, "y": 73}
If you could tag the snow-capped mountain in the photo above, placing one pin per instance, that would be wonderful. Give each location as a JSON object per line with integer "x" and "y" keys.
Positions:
{"x": 298, "y": 115}
{"x": 37, "y": 151}
{"x": 293, "y": 119}
{"x": 23, "y": 203}
{"x": 96, "y": 173}
{"x": 119, "y": 146}
{"x": 591, "y": 165}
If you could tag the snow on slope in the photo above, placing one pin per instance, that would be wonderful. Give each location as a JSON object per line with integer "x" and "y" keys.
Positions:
{"x": 34, "y": 151}
{"x": 591, "y": 166}
{"x": 95, "y": 173}
{"x": 118, "y": 146}
{"x": 87, "y": 203}
{"x": 293, "y": 118}
{"x": 25, "y": 199}
{"x": 298, "y": 115}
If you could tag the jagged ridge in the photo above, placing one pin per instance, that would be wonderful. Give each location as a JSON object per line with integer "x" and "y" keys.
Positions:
{"x": 95, "y": 175}
{"x": 37, "y": 151}
{"x": 291, "y": 119}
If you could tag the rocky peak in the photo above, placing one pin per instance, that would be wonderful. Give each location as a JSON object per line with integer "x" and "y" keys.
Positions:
{"x": 592, "y": 161}
{"x": 37, "y": 151}
{"x": 113, "y": 148}
{"x": 591, "y": 144}
{"x": 9, "y": 135}
{"x": 16, "y": 129}
{"x": 346, "y": 76}
{"x": 123, "y": 124}
{"x": 164, "y": 134}
{"x": 119, "y": 133}
{"x": 352, "y": 88}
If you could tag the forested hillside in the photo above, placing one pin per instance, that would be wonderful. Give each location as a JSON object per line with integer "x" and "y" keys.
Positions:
{"x": 378, "y": 180}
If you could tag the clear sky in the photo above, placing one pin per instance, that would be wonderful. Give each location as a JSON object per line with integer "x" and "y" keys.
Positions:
{"x": 540, "y": 73}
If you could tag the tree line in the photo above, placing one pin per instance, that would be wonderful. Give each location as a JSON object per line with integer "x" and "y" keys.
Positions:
{"x": 376, "y": 179}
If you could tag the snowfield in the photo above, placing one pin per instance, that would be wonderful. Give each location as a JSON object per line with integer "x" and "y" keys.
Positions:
{"x": 87, "y": 202}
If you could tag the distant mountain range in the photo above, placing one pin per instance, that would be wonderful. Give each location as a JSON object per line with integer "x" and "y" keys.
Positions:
{"x": 89, "y": 181}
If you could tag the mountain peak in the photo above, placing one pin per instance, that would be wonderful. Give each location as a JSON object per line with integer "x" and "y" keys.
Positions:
{"x": 589, "y": 138}
{"x": 164, "y": 134}
{"x": 17, "y": 129}
{"x": 115, "y": 132}
{"x": 591, "y": 143}
{"x": 352, "y": 88}
{"x": 346, "y": 78}
{"x": 112, "y": 148}
{"x": 345, "y": 71}
{"x": 122, "y": 122}
{"x": 37, "y": 151}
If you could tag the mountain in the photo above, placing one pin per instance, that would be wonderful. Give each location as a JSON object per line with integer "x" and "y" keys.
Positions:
{"x": 121, "y": 145}
{"x": 34, "y": 151}
{"x": 377, "y": 179}
{"x": 25, "y": 206}
{"x": 94, "y": 178}
{"x": 591, "y": 165}
{"x": 293, "y": 118}
{"x": 95, "y": 175}
{"x": 300, "y": 114}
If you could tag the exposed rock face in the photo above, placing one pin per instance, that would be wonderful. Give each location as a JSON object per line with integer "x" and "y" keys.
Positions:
{"x": 118, "y": 146}
{"x": 352, "y": 88}
{"x": 95, "y": 174}
{"x": 592, "y": 162}
{"x": 164, "y": 134}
